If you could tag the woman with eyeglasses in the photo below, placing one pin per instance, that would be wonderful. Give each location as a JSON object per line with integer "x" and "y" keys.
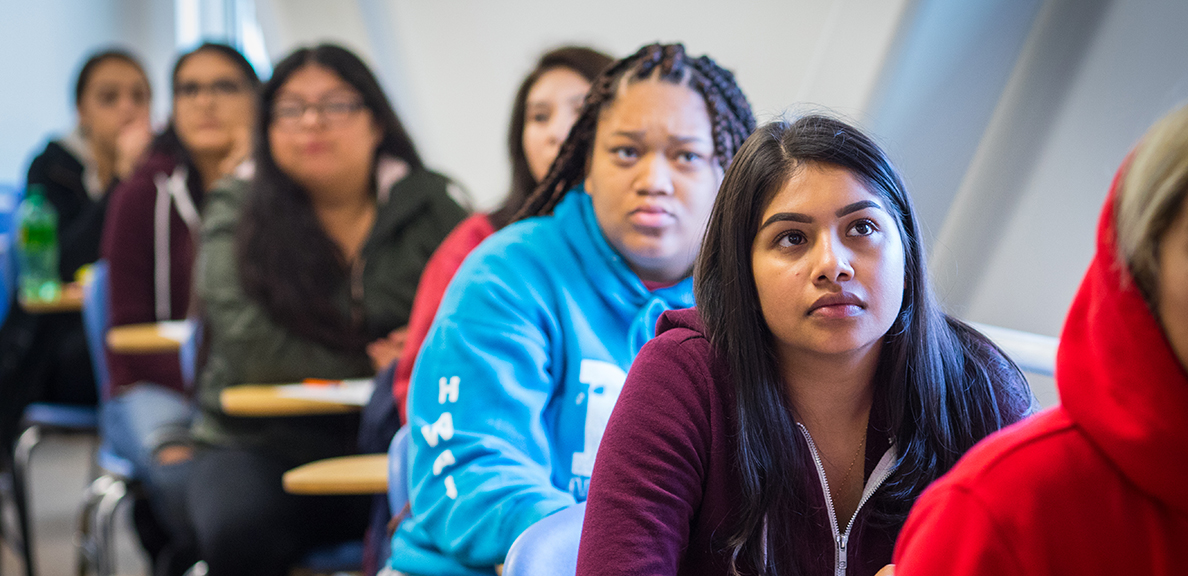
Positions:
{"x": 149, "y": 244}
{"x": 301, "y": 269}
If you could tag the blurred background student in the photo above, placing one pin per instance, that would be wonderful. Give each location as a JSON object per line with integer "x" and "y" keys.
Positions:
{"x": 299, "y": 270}
{"x": 533, "y": 339}
{"x": 545, "y": 107}
{"x": 44, "y": 357}
{"x": 149, "y": 243}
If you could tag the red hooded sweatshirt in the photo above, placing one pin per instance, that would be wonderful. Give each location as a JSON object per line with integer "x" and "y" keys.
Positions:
{"x": 1098, "y": 485}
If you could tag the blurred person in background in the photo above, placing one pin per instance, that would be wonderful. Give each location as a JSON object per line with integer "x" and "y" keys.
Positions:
{"x": 150, "y": 243}
{"x": 43, "y": 357}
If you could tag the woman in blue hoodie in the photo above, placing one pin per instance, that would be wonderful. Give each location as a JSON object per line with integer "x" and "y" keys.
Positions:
{"x": 535, "y": 335}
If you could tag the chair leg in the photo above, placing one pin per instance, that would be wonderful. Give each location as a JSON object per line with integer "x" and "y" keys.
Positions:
{"x": 105, "y": 525}
{"x": 87, "y": 545}
{"x": 20, "y": 488}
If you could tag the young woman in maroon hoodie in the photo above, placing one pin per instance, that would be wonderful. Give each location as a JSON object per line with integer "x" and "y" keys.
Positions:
{"x": 1096, "y": 484}
{"x": 148, "y": 242}
{"x": 787, "y": 425}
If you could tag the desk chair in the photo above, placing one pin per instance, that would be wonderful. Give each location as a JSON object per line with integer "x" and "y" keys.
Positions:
{"x": 347, "y": 555}
{"x": 115, "y": 481}
{"x": 10, "y": 197}
{"x": 40, "y": 418}
{"x": 398, "y": 471}
{"x": 550, "y": 546}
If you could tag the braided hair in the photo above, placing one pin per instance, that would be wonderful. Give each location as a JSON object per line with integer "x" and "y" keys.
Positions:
{"x": 730, "y": 114}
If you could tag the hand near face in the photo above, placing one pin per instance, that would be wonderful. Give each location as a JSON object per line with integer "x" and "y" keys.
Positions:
{"x": 385, "y": 351}
{"x": 131, "y": 143}
{"x": 888, "y": 570}
{"x": 241, "y": 149}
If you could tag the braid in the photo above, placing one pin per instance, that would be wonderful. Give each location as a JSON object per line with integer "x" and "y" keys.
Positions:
{"x": 731, "y": 119}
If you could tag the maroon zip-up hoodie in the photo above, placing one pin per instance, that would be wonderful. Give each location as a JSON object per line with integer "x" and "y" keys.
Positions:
{"x": 136, "y": 262}
{"x": 665, "y": 494}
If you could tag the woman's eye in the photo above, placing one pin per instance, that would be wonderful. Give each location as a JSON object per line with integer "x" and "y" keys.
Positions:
{"x": 625, "y": 153}
{"x": 791, "y": 238}
{"x": 540, "y": 117}
{"x": 688, "y": 157}
{"x": 107, "y": 98}
{"x": 863, "y": 228}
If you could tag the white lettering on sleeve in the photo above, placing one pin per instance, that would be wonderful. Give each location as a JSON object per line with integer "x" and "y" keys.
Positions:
{"x": 448, "y": 389}
{"x": 451, "y": 488}
{"x": 444, "y": 459}
{"x": 442, "y": 429}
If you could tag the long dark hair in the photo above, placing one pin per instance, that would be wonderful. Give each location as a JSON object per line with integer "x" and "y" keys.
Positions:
{"x": 287, "y": 263}
{"x": 169, "y": 142}
{"x": 935, "y": 376}
{"x": 730, "y": 114}
{"x": 587, "y": 63}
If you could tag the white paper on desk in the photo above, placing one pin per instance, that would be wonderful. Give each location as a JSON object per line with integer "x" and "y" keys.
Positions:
{"x": 176, "y": 330}
{"x": 348, "y": 392}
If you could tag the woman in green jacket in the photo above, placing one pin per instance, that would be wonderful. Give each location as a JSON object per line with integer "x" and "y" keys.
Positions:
{"x": 308, "y": 271}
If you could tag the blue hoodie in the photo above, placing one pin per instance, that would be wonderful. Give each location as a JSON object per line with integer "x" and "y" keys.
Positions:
{"x": 514, "y": 385}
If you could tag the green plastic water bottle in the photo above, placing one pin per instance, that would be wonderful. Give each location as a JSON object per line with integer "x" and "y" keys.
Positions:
{"x": 37, "y": 247}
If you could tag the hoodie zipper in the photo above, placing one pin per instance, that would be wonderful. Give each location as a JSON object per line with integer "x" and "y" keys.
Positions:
{"x": 357, "y": 290}
{"x": 841, "y": 539}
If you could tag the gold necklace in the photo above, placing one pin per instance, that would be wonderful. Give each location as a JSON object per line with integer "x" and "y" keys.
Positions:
{"x": 845, "y": 481}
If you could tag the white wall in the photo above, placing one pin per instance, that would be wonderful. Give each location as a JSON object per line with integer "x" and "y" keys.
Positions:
{"x": 42, "y": 45}
{"x": 1097, "y": 75}
{"x": 452, "y": 66}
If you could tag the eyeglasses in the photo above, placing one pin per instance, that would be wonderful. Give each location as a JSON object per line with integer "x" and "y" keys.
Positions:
{"x": 334, "y": 112}
{"x": 217, "y": 89}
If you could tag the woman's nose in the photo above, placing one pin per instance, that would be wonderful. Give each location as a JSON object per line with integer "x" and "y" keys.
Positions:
{"x": 832, "y": 260}
{"x": 655, "y": 176}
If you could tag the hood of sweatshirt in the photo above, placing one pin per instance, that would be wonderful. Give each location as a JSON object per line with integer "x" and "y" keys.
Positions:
{"x": 604, "y": 267}
{"x": 1118, "y": 377}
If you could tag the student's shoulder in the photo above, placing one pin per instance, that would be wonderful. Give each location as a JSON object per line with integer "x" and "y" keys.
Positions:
{"x": 54, "y": 156}
{"x": 534, "y": 242}
{"x": 1039, "y": 459}
{"x": 424, "y": 186}
{"x": 682, "y": 349}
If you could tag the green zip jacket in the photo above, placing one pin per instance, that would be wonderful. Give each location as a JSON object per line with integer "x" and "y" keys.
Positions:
{"x": 247, "y": 346}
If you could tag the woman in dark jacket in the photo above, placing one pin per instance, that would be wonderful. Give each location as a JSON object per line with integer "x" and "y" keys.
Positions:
{"x": 44, "y": 357}
{"x": 299, "y": 271}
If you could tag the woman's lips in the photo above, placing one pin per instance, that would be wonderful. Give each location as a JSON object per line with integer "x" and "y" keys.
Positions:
{"x": 839, "y": 305}
{"x": 651, "y": 217}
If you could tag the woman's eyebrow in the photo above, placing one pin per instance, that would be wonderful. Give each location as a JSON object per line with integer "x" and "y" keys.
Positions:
{"x": 859, "y": 205}
{"x": 787, "y": 217}
{"x": 806, "y": 219}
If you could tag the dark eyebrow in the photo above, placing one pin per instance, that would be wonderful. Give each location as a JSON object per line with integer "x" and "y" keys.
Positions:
{"x": 639, "y": 135}
{"x": 787, "y": 217}
{"x": 806, "y": 219}
{"x": 860, "y": 205}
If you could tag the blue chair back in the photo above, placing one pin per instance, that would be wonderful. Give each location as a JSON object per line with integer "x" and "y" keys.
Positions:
{"x": 398, "y": 470}
{"x": 549, "y": 546}
{"x": 96, "y": 317}
{"x": 10, "y": 198}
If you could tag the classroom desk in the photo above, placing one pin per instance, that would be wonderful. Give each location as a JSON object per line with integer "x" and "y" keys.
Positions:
{"x": 282, "y": 400}
{"x": 266, "y": 400}
{"x": 150, "y": 338}
{"x": 70, "y": 300}
{"x": 359, "y": 474}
